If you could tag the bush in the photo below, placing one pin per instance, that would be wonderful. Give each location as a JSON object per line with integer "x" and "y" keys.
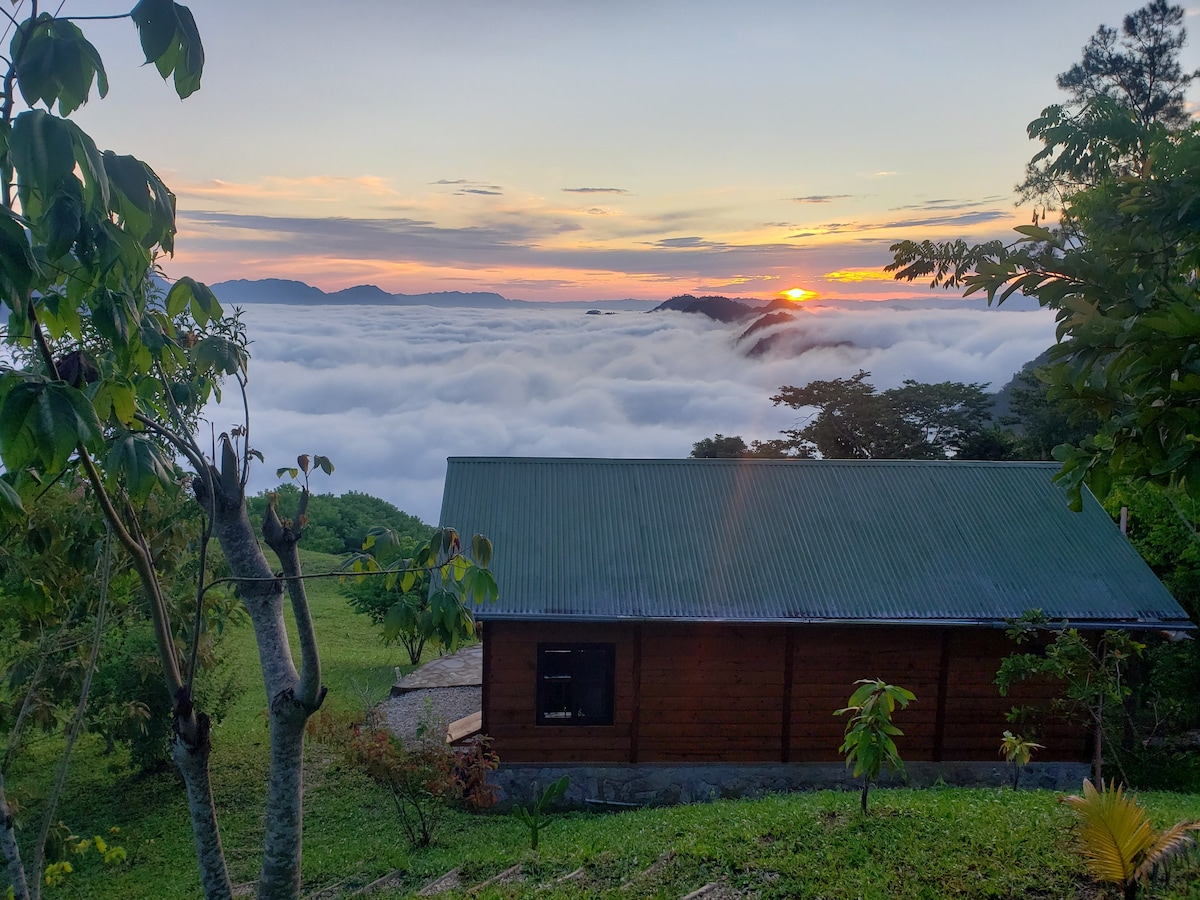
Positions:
{"x": 421, "y": 775}
{"x": 129, "y": 705}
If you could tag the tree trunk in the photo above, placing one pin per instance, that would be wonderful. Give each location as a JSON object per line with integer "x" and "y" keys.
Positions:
{"x": 283, "y": 841}
{"x": 192, "y": 759}
{"x": 191, "y": 727}
{"x": 10, "y": 853}
{"x": 291, "y": 696}
{"x": 290, "y": 709}
{"x": 866, "y": 788}
{"x": 1098, "y": 748}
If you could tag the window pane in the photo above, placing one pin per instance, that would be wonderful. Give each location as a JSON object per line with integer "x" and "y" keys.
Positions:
{"x": 575, "y": 684}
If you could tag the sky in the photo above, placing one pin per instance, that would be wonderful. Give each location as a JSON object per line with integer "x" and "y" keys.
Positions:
{"x": 583, "y": 151}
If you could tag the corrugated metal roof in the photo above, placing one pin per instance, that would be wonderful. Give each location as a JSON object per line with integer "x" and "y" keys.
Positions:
{"x": 803, "y": 540}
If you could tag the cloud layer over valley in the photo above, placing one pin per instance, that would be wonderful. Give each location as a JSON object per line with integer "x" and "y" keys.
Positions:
{"x": 388, "y": 393}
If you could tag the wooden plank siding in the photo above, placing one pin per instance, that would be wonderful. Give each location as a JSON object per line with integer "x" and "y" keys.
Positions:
{"x": 699, "y": 692}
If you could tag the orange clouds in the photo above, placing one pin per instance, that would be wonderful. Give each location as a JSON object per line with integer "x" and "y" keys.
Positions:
{"x": 857, "y": 276}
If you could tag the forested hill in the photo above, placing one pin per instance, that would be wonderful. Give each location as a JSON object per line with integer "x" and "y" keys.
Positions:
{"x": 338, "y": 524}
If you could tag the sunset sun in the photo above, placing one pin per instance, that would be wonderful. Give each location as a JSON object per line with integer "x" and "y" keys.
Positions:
{"x": 798, "y": 295}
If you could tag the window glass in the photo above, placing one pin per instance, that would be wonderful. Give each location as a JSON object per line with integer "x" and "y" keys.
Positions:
{"x": 575, "y": 684}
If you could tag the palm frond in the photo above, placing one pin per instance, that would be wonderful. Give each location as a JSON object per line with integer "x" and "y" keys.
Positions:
{"x": 1177, "y": 839}
{"x": 1114, "y": 833}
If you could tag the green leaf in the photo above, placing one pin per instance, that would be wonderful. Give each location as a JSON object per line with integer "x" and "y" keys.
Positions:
{"x": 55, "y": 62}
{"x": 172, "y": 42}
{"x": 63, "y": 218}
{"x": 91, "y": 163}
{"x": 138, "y": 464}
{"x": 114, "y": 316}
{"x": 44, "y": 422}
{"x": 10, "y": 502}
{"x": 1035, "y": 232}
{"x": 187, "y": 293}
{"x": 157, "y": 25}
{"x": 18, "y": 267}
{"x": 481, "y": 550}
{"x": 59, "y": 316}
{"x": 116, "y": 401}
{"x": 189, "y": 65}
{"x": 218, "y": 353}
{"x": 43, "y": 153}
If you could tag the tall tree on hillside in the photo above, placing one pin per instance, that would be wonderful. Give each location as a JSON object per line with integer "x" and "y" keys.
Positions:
{"x": 1120, "y": 274}
{"x": 1139, "y": 68}
{"x": 1138, "y": 71}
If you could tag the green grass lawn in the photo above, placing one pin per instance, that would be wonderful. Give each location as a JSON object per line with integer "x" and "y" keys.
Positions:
{"x": 984, "y": 843}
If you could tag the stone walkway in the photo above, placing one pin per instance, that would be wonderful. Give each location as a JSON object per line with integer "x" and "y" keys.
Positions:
{"x": 461, "y": 669}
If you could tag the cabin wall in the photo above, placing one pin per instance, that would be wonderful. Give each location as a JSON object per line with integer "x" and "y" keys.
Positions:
{"x": 696, "y": 692}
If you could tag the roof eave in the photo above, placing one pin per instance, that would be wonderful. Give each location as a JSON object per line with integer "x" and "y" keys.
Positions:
{"x": 1085, "y": 624}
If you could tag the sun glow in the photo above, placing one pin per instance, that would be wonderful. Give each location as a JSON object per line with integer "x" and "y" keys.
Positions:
{"x": 798, "y": 295}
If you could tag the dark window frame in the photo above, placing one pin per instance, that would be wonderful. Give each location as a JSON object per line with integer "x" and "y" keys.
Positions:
{"x": 576, "y": 684}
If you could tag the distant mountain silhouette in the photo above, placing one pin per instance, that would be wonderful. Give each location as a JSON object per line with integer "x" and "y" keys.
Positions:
{"x": 722, "y": 309}
{"x": 281, "y": 290}
{"x": 278, "y": 290}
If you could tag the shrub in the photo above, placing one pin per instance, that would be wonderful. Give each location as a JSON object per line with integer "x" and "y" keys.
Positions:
{"x": 868, "y": 743}
{"x": 420, "y": 776}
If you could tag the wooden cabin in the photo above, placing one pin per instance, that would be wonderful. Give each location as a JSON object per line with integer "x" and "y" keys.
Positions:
{"x": 656, "y": 611}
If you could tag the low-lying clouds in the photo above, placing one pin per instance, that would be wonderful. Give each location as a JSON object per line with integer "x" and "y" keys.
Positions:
{"x": 388, "y": 393}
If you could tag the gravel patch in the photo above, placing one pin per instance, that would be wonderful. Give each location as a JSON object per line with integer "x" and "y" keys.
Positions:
{"x": 404, "y": 713}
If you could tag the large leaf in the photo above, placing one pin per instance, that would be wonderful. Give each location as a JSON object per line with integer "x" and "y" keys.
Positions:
{"x": 138, "y": 464}
{"x": 171, "y": 41}
{"x": 144, "y": 204}
{"x": 43, "y": 153}
{"x": 91, "y": 163}
{"x": 220, "y": 354}
{"x": 43, "y": 422}
{"x": 195, "y": 297}
{"x": 55, "y": 62}
{"x": 63, "y": 217}
{"x": 18, "y": 267}
{"x": 189, "y": 65}
{"x": 157, "y": 25}
{"x": 114, "y": 316}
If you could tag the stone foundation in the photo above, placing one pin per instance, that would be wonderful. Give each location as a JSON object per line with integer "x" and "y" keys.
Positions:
{"x": 666, "y": 784}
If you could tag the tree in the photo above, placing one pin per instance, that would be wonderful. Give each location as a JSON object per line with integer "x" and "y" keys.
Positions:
{"x": 79, "y": 251}
{"x": 426, "y": 593}
{"x": 405, "y": 618}
{"x": 1139, "y": 68}
{"x": 720, "y": 447}
{"x": 1121, "y": 280}
{"x": 1094, "y": 671}
{"x": 1037, "y": 422}
{"x": 734, "y": 447}
{"x": 914, "y": 421}
{"x": 339, "y": 524}
{"x": 1139, "y": 73}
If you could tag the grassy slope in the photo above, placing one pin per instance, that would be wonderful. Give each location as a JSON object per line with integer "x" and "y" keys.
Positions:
{"x": 960, "y": 843}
